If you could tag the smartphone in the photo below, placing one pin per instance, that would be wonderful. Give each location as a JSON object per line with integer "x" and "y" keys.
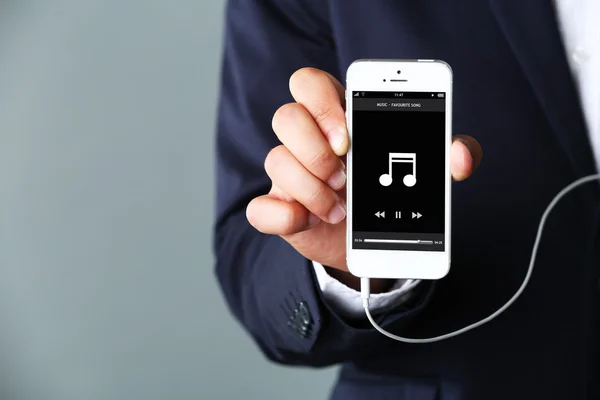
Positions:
{"x": 398, "y": 168}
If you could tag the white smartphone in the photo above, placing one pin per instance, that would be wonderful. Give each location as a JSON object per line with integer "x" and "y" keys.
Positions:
{"x": 398, "y": 167}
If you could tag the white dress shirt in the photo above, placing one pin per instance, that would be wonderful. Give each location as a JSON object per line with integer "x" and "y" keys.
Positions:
{"x": 577, "y": 20}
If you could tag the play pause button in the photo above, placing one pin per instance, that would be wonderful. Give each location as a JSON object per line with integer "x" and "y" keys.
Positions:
{"x": 416, "y": 215}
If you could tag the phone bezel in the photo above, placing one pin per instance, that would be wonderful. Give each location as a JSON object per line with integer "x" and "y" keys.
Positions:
{"x": 419, "y": 76}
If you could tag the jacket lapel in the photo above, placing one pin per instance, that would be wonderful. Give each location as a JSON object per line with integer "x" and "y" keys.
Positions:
{"x": 531, "y": 29}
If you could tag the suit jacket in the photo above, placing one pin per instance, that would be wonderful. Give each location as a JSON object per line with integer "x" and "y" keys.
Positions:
{"x": 514, "y": 93}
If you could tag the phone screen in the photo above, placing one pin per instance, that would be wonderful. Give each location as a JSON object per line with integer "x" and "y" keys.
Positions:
{"x": 398, "y": 170}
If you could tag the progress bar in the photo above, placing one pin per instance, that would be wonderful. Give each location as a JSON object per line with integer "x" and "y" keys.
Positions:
{"x": 398, "y": 241}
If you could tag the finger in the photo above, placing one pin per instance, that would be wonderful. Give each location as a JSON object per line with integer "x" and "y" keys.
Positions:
{"x": 318, "y": 93}
{"x": 474, "y": 149}
{"x": 277, "y": 193}
{"x": 299, "y": 133}
{"x": 277, "y": 217}
{"x": 465, "y": 156}
{"x": 339, "y": 88}
{"x": 288, "y": 174}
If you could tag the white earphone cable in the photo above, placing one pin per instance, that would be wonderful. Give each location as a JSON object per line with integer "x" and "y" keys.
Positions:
{"x": 365, "y": 284}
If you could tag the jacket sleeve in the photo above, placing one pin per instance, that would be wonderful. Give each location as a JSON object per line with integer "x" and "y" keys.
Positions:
{"x": 269, "y": 287}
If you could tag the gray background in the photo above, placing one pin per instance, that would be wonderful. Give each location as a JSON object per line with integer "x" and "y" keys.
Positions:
{"x": 107, "y": 112}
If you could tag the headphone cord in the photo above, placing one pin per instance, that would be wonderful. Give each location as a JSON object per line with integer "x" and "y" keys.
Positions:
{"x": 365, "y": 283}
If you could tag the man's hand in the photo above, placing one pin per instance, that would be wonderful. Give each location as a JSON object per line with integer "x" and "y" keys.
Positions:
{"x": 306, "y": 204}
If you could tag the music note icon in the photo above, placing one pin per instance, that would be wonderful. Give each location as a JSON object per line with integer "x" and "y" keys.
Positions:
{"x": 409, "y": 180}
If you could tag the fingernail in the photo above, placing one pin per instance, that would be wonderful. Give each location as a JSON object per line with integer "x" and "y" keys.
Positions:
{"x": 337, "y": 138}
{"x": 337, "y": 180}
{"x": 337, "y": 214}
{"x": 465, "y": 143}
{"x": 313, "y": 220}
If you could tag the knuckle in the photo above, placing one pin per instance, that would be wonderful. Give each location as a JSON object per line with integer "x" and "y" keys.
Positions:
{"x": 322, "y": 111}
{"x": 318, "y": 200}
{"x": 284, "y": 114}
{"x": 288, "y": 222}
{"x": 314, "y": 80}
{"x": 322, "y": 163}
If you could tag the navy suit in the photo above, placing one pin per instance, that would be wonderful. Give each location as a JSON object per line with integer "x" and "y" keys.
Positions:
{"x": 514, "y": 93}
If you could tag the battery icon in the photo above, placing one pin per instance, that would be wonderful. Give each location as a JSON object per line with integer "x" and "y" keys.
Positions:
{"x": 440, "y": 94}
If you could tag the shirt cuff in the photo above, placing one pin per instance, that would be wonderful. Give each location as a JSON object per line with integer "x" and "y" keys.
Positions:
{"x": 348, "y": 301}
